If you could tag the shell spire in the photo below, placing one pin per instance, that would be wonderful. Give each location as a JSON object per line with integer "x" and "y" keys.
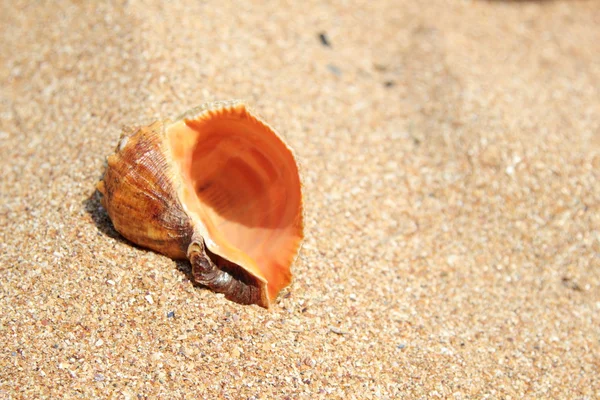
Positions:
{"x": 217, "y": 186}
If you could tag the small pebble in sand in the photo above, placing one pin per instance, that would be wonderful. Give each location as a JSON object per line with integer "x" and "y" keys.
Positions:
{"x": 337, "y": 331}
{"x": 334, "y": 70}
{"x": 324, "y": 39}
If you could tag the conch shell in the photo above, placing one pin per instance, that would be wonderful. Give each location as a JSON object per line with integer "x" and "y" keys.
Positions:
{"x": 217, "y": 186}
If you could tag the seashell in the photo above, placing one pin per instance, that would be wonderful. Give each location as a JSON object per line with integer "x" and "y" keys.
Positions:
{"x": 217, "y": 186}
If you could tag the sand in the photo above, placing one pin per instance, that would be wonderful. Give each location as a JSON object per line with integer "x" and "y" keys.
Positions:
{"x": 450, "y": 153}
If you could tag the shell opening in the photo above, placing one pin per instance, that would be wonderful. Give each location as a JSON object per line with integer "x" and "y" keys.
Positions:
{"x": 241, "y": 185}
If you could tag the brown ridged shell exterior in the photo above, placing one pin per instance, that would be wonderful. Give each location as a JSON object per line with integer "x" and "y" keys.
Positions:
{"x": 139, "y": 194}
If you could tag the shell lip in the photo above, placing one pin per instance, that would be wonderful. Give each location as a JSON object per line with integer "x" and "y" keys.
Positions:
{"x": 236, "y": 110}
{"x": 196, "y": 112}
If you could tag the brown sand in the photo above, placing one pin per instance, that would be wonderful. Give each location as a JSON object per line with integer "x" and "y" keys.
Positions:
{"x": 451, "y": 158}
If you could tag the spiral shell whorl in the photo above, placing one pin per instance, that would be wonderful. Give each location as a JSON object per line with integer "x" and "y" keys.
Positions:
{"x": 138, "y": 185}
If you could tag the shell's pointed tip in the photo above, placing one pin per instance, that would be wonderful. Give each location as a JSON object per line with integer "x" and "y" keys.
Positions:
{"x": 113, "y": 160}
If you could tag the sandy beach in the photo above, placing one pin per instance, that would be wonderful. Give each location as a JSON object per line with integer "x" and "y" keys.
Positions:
{"x": 450, "y": 157}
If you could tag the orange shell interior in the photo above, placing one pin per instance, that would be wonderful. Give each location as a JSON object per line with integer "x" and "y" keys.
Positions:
{"x": 242, "y": 187}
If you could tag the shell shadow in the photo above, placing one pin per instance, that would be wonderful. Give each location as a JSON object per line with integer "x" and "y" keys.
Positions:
{"x": 185, "y": 268}
{"x": 93, "y": 206}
